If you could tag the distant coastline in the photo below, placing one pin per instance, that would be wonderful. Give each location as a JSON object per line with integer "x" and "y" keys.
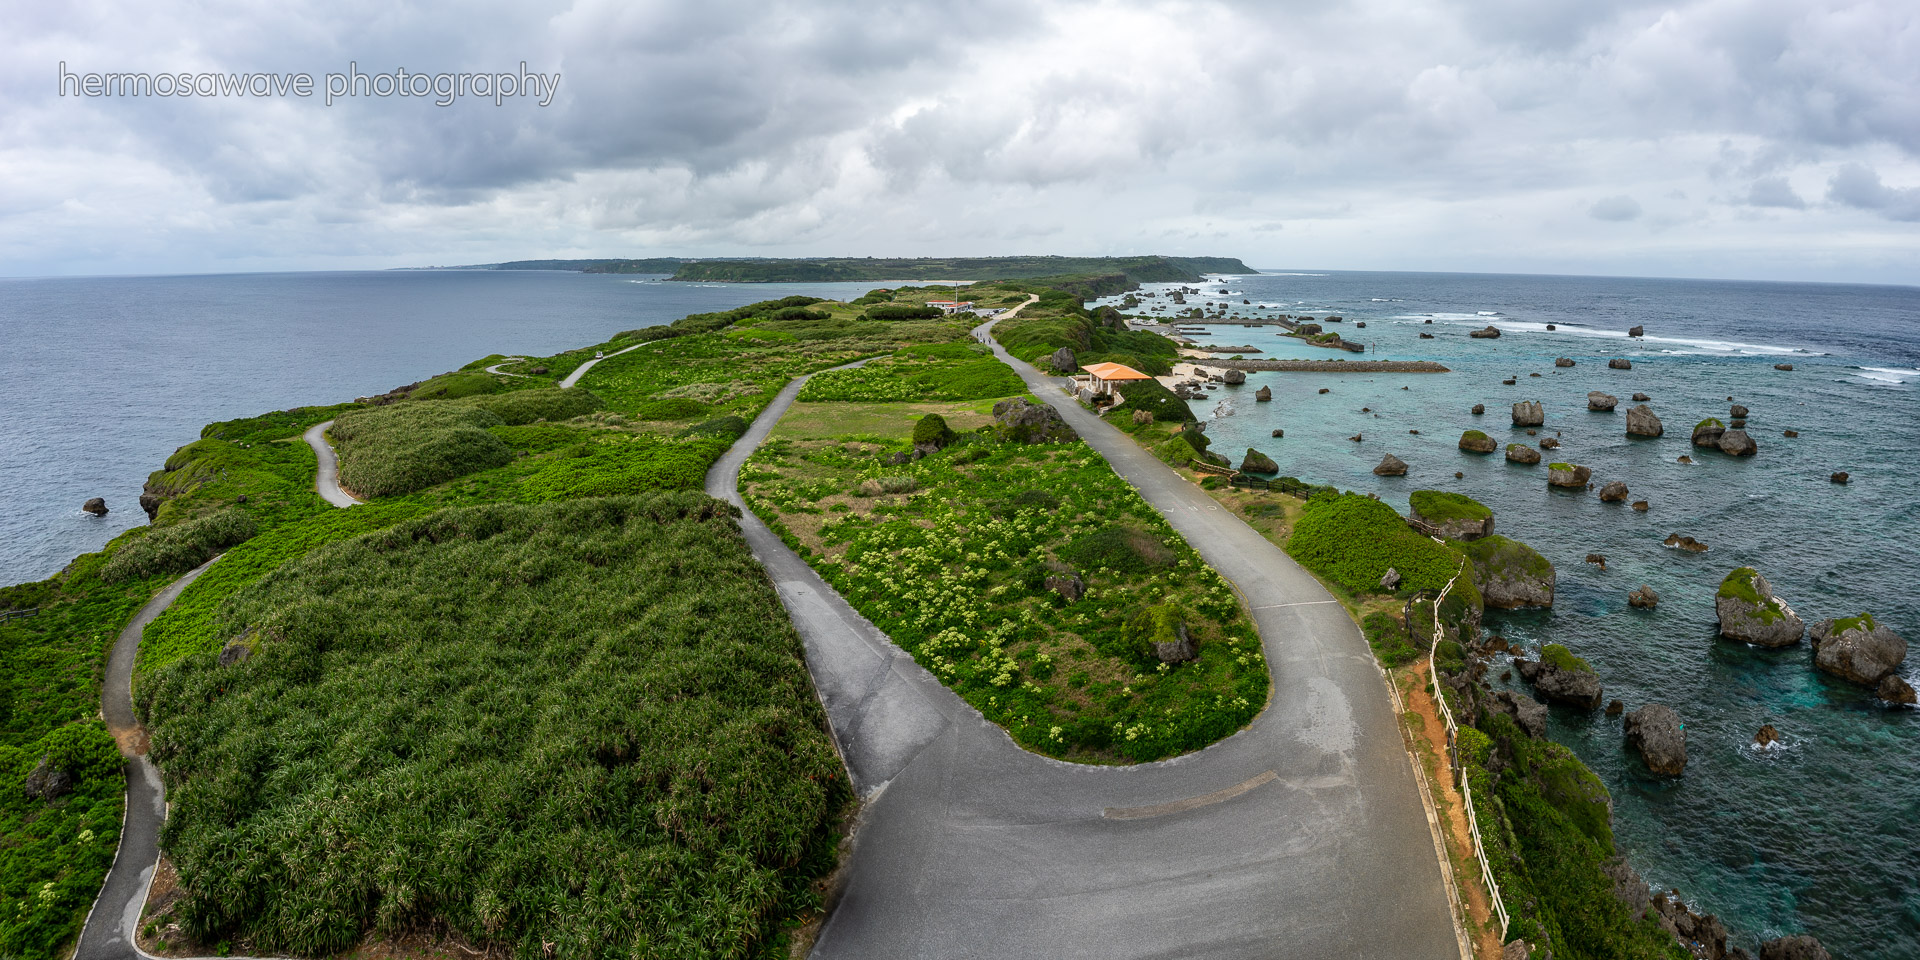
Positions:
{"x": 1139, "y": 269}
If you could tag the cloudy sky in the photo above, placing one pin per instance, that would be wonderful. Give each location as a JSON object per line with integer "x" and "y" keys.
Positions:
{"x": 1718, "y": 138}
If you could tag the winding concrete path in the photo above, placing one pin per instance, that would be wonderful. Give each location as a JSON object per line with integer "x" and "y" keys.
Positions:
{"x": 1302, "y": 836}
{"x": 326, "y": 480}
{"x": 581, "y": 370}
{"x": 495, "y": 369}
{"x": 108, "y": 933}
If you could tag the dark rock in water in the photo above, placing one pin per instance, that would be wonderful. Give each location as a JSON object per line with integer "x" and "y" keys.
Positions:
{"x": 1479, "y": 408}
{"x": 1390, "y": 466}
{"x": 1767, "y": 736}
{"x": 1790, "y": 434}
{"x": 1800, "y": 947}
{"x": 1656, "y": 732}
{"x": 1563, "y": 361}
{"x": 96, "y": 506}
{"x": 1390, "y": 579}
{"x": 1783, "y": 366}
{"x": 1063, "y": 360}
{"x": 48, "y": 782}
{"x": 1893, "y": 689}
{"x": 1637, "y": 331}
{"x": 1414, "y": 432}
{"x": 1597, "y": 400}
{"x": 1279, "y": 432}
{"x": 1549, "y": 443}
{"x": 1358, "y": 437}
{"x": 1688, "y": 544}
{"x": 1841, "y": 477}
{"x": 234, "y": 653}
{"x": 1615, "y": 708}
{"x": 1642, "y": 423}
{"x": 1490, "y": 332}
{"x": 1552, "y": 327}
{"x": 1613, "y": 492}
{"x": 1683, "y": 458}
{"x": 1474, "y": 441}
{"x": 1707, "y": 432}
{"x": 1070, "y": 587}
{"x": 1257, "y": 462}
{"x": 1643, "y": 598}
{"x": 1510, "y": 381}
{"x": 1704, "y": 936}
{"x": 1532, "y": 374}
{"x": 1427, "y": 336}
{"x": 1568, "y": 476}
{"x": 1529, "y": 713}
{"x": 1750, "y": 612}
{"x": 1023, "y": 421}
{"x": 1234, "y": 377}
{"x": 1620, "y": 363}
{"x": 1641, "y": 398}
{"x": 1325, "y": 390}
{"x": 1429, "y": 319}
{"x": 1457, "y": 475}
{"x": 1857, "y": 649}
{"x": 1529, "y": 413}
{"x": 1521, "y": 453}
{"x": 1263, "y": 394}
{"x": 1736, "y": 443}
{"x": 1564, "y": 678}
{"x": 1738, "y": 412}
{"x": 1598, "y": 560}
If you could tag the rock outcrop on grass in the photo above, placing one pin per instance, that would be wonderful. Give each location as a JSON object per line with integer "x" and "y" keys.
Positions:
{"x": 1562, "y": 677}
{"x": 1857, "y": 649}
{"x": 1751, "y": 613}
{"x": 1064, "y": 361}
{"x": 1510, "y": 573}
{"x": 1656, "y": 733}
{"x": 1023, "y": 421}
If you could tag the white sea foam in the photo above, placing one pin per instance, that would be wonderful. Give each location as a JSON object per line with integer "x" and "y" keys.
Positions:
{"x": 1886, "y": 374}
{"x": 1674, "y": 345}
{"x": 1294, "y": 274}
{"x": 1488, "y": 313}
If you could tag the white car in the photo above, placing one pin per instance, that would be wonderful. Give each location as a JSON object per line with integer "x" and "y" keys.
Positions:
{"x": 599, "y": 354}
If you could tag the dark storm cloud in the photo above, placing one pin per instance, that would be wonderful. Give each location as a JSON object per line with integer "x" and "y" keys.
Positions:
{"x": 1394, "y": 133}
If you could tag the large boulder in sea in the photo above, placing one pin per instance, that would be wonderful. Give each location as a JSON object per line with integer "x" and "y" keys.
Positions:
{"x": 1603, "y": 402}
{"x": 1023, "y": 421}
{"x": 97, "y": 506}
{"x": 1233, "y": 377}
{"x": 1490, "y": 332}
{"x": 1707, "y": 432}
{"x": 1637, "y": 331}
{"x": 1509, "y": 573}
{"x": 1263, "y": 394}
{"x": 1736, "y": 443}
{"x": 1857, "y": 649}
{"x": 1562, "y": 677}
{"x": 1563, "y": 361}
{"x": 1257, "y": 462}
{"x": 1751, "y": 613}
{"x": 1529, "y": 413}
{"x": 1390, "y": 466}
{"x": 1613, "y": 492}
{"x": 1064, "y": 361}
{"x": 1455, "y": 516}
{"x": 1642, "y": 423}
{"x": 1475, "y": 441}
{"x": 1620, "y": 363}
{"x": 1521, "y": 453}
{"x": 1569, "y": 476}
{"x": 1894, "y": 689}
{"x": 1656, "y": 732}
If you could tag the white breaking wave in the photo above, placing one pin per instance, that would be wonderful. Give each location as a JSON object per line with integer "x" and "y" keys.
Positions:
{"x": 1886, "y": 374}
{"x": 1674, "y": 345}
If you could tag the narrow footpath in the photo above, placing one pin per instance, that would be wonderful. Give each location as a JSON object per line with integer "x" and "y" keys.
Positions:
{"x": 1301, "y": 836}
{"x": 326, "y": 480}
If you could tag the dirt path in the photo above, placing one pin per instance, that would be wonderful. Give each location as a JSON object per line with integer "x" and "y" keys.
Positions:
{"x": 1452, "y": 808}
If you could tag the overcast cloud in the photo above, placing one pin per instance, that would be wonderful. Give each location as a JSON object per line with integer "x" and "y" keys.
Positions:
{"x": 1738, "y": 138}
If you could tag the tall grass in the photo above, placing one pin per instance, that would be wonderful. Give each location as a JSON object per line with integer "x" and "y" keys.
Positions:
{"x": 572, "y": 729}
{"x": 179, "y": 548}
{"x": 410, "y": 446}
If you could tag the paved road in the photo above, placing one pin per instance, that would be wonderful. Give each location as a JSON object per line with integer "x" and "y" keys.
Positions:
{"x": 108, "y": 934}
{"x": 326, "y": 480}
{"x": 496, "y": 367}
{"x": 1301, "y": 836}
{"x": 581, "y": 370}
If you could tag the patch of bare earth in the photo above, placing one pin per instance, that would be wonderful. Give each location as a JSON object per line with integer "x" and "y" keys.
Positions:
{"x": 1426, "y": 740}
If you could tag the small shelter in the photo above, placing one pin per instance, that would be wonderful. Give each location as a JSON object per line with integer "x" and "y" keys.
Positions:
{"x": 1103, "y": 376}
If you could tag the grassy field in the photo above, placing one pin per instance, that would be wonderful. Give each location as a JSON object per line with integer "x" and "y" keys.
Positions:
{"x": 950, "y": 555}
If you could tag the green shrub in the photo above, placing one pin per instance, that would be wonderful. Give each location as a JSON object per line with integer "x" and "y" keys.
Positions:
{"x": 474, "y": 718}
{"x": 729, "y": 428}
{"x": 1352, "y": 540}
{"x": 1499, "y": 557}
{"x": 668, "y": 408}
{"x": 1159, "y": 623}
{"x": 1440, "y": 506}
{"x": 1474, "y": 746}
{"x": 901, "y": 311}
{"x": 932, "y": 429}
{"x": 1563, "y": 659}
{"x": 1387, "y": 636}
{"x": 1154, "y": 396}
{"x": 1120, "y": 548}
{"x": 179, "y": 548}
{"x": 527, "y": 406}
{"x": 406, "y": 447}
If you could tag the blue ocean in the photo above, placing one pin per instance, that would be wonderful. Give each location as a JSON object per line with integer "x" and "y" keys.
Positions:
{"x": 104, "y": 377}
{"x": 1821, "y": 837}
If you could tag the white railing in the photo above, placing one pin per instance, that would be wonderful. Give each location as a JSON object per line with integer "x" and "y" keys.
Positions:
{"x": 1466, "y": 786}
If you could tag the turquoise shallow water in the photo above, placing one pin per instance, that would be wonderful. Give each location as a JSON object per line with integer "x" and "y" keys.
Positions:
{"x": 1822, "y": 837}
